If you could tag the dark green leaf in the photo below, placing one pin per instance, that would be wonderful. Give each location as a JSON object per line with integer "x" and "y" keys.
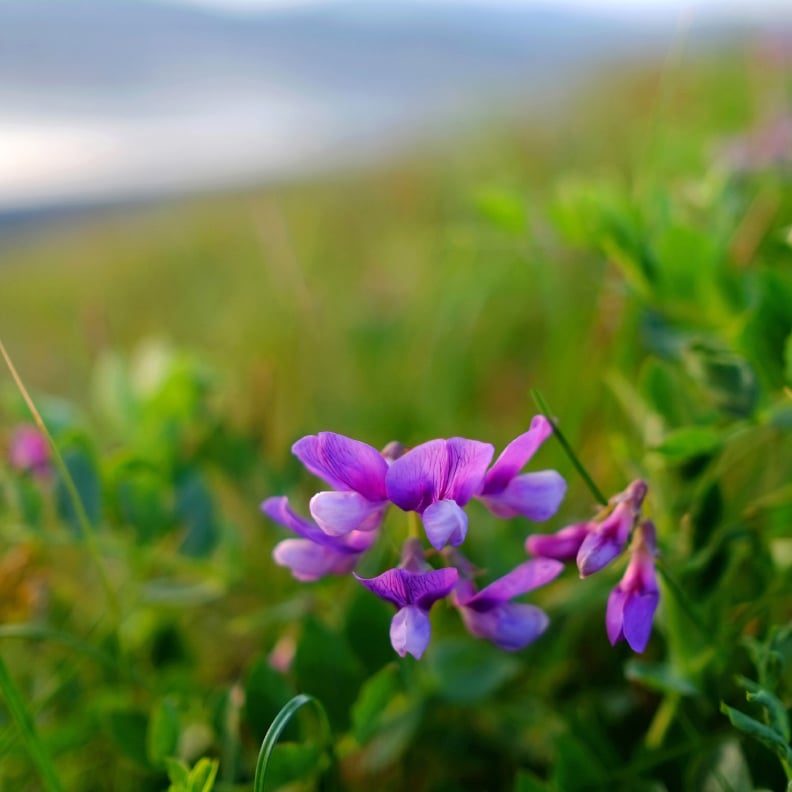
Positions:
{"x": 162, "y": 738}
{"x": 681, "y": 445}
{"x": 82, "y": 468}
{"x": 465, "y": 671}
{"x": 375, "y": 695}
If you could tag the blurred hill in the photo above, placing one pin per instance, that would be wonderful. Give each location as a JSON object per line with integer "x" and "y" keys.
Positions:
{"x": 116, "y": 101}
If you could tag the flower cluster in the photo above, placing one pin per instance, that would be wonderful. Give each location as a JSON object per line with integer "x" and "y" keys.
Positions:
{"x": 595, "y": 544}
{"x": 435, "y": 480}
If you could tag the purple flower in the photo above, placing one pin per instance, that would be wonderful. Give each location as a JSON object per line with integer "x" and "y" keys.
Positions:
{"x": 356, "y": 471}
{"x": 315, "y": 554}
{"x": 29, "y": 451}
{"x": 632, "y": 604}
{"x": 413, "y": 589}
{"x": 596, "y": 543}
{"x": 490, "y": 614}
{"x": 436, "y": 479}
{"x": 536, "y": 496}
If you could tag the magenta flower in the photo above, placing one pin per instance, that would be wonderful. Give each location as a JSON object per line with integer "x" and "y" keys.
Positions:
{"x": 536, "y": 496}
{"x": 413, "y": 588}
{"x": 356, "y": 471}
{"x": 632, "y": 604}
{"x": 596, "y": 543}
{"x": 30, "y": 451}
{"x": 436, "y": 479}
{"x": 490, "y": 614}
{"x": 315, "y": 554}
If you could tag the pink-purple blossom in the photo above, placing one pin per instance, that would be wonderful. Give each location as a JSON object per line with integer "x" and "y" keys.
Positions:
{"x": 536, "y": 496}
{"x": 29, "y": 451}
{"x": 437, "y": 479}
{"x": 490, "y": 614}
{"x": 356, "y": 471}
{"x": 632, "y": 604}
{"x": 594, "y": 544}
{"x": 413, "y": 588}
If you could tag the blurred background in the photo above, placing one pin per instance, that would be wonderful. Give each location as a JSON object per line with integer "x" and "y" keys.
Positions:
{"x": 225, "y": 225}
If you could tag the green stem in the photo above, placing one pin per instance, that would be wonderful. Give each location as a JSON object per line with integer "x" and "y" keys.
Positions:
{"x": 85, "y": 524}
{"x": 573, "y": 458}
{"x": 27, "y": 728}
{"x": 682, "y": 598}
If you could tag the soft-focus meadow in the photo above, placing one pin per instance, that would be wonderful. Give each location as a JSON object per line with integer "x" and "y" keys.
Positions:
{"x": 631, "y": 260}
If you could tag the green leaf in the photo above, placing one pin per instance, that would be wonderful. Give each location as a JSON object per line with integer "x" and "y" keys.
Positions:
{"x": 326, "y": 668}
{"x": 266, "y": 692}
{"x": 727, "y": 378}
{"x": 660, "y": 677}
{"x": 776, "y": 711}
{"x": 203, "y": 775}
{"x": 195, "y": 509}
{"x": 375, "y": 695}
{"x": 766, "y": 735}
{"x": 162, "y": 737}
{"x": 83, "y": 471}
{"x": 290, "y": 762}
{"x": 142, "y": 500}
{"x": 529, "y": 782}
{"x": 129, "y": 730}
{"x": 504, "y": 209}
{"x": 466, "y": 672}
{"x": 681, "y": 445}
{"x": 788, "y": 360}
{"x": 178, "y": 773}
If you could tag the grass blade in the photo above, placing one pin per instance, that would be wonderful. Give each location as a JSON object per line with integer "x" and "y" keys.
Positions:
{"x": 21, "y": 716}
{"x": 276, "y": 729}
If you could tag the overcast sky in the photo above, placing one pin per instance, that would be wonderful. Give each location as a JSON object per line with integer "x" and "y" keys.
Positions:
{"x": 717, "y": 8}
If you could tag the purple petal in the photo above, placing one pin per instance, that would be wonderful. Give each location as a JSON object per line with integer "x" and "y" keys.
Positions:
{"x": 29, "y": 450}
{"x": 338, "y": 513}
{"x": 344, "y": 463}
{"x": 428, "y": 587}
{"x": 445, "y": 523}
{"x": 401, "y": 587}
{"x": 536, "y": 496}
{"x": 596, "y": 552}
{"x": 415, "y": 480}
{"x": 309, "y": 561}
{"x": 391, "y": 586}
{"x": 467, "y": 465}
{"x": 278, "y": 509}
{"x": 614, "y": 615}
{"x": 639, "y": 611}
{"x": 509, "y": 626}
{"x": 526, "y": 577}
{"x": 562, "y": 545}
{"x": 516, "y": 455}
{"x": 410, "y": 631}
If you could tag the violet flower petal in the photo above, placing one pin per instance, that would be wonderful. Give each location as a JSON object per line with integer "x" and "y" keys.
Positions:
{"x": 614, "y": 615}
{"x": 639, "y": 611}
{"x": 310, "y": 561}
{"x": 445, "y": 523}
{"x": 410, "y": 631}
{"x": 344, "y": 463}
{"x": 536, "y": 496}
{"x": 515, "y": 456}
{"x": 562, "y": 545}
{"x": 415, "y": 480}
{"x": 468, "y": 461}
{"x": 527, "y": 576}
{"x": 401, "y": 587}
{"x": 338, "y": 513}
{"x": 597, "y": 551}
{"x": 510, "y": 626}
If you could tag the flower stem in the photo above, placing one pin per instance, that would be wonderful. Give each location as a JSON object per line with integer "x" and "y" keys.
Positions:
{"x": 682, "y": 598}
{"x": 573, "y": 458}
{"x": 413, "y": 526}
